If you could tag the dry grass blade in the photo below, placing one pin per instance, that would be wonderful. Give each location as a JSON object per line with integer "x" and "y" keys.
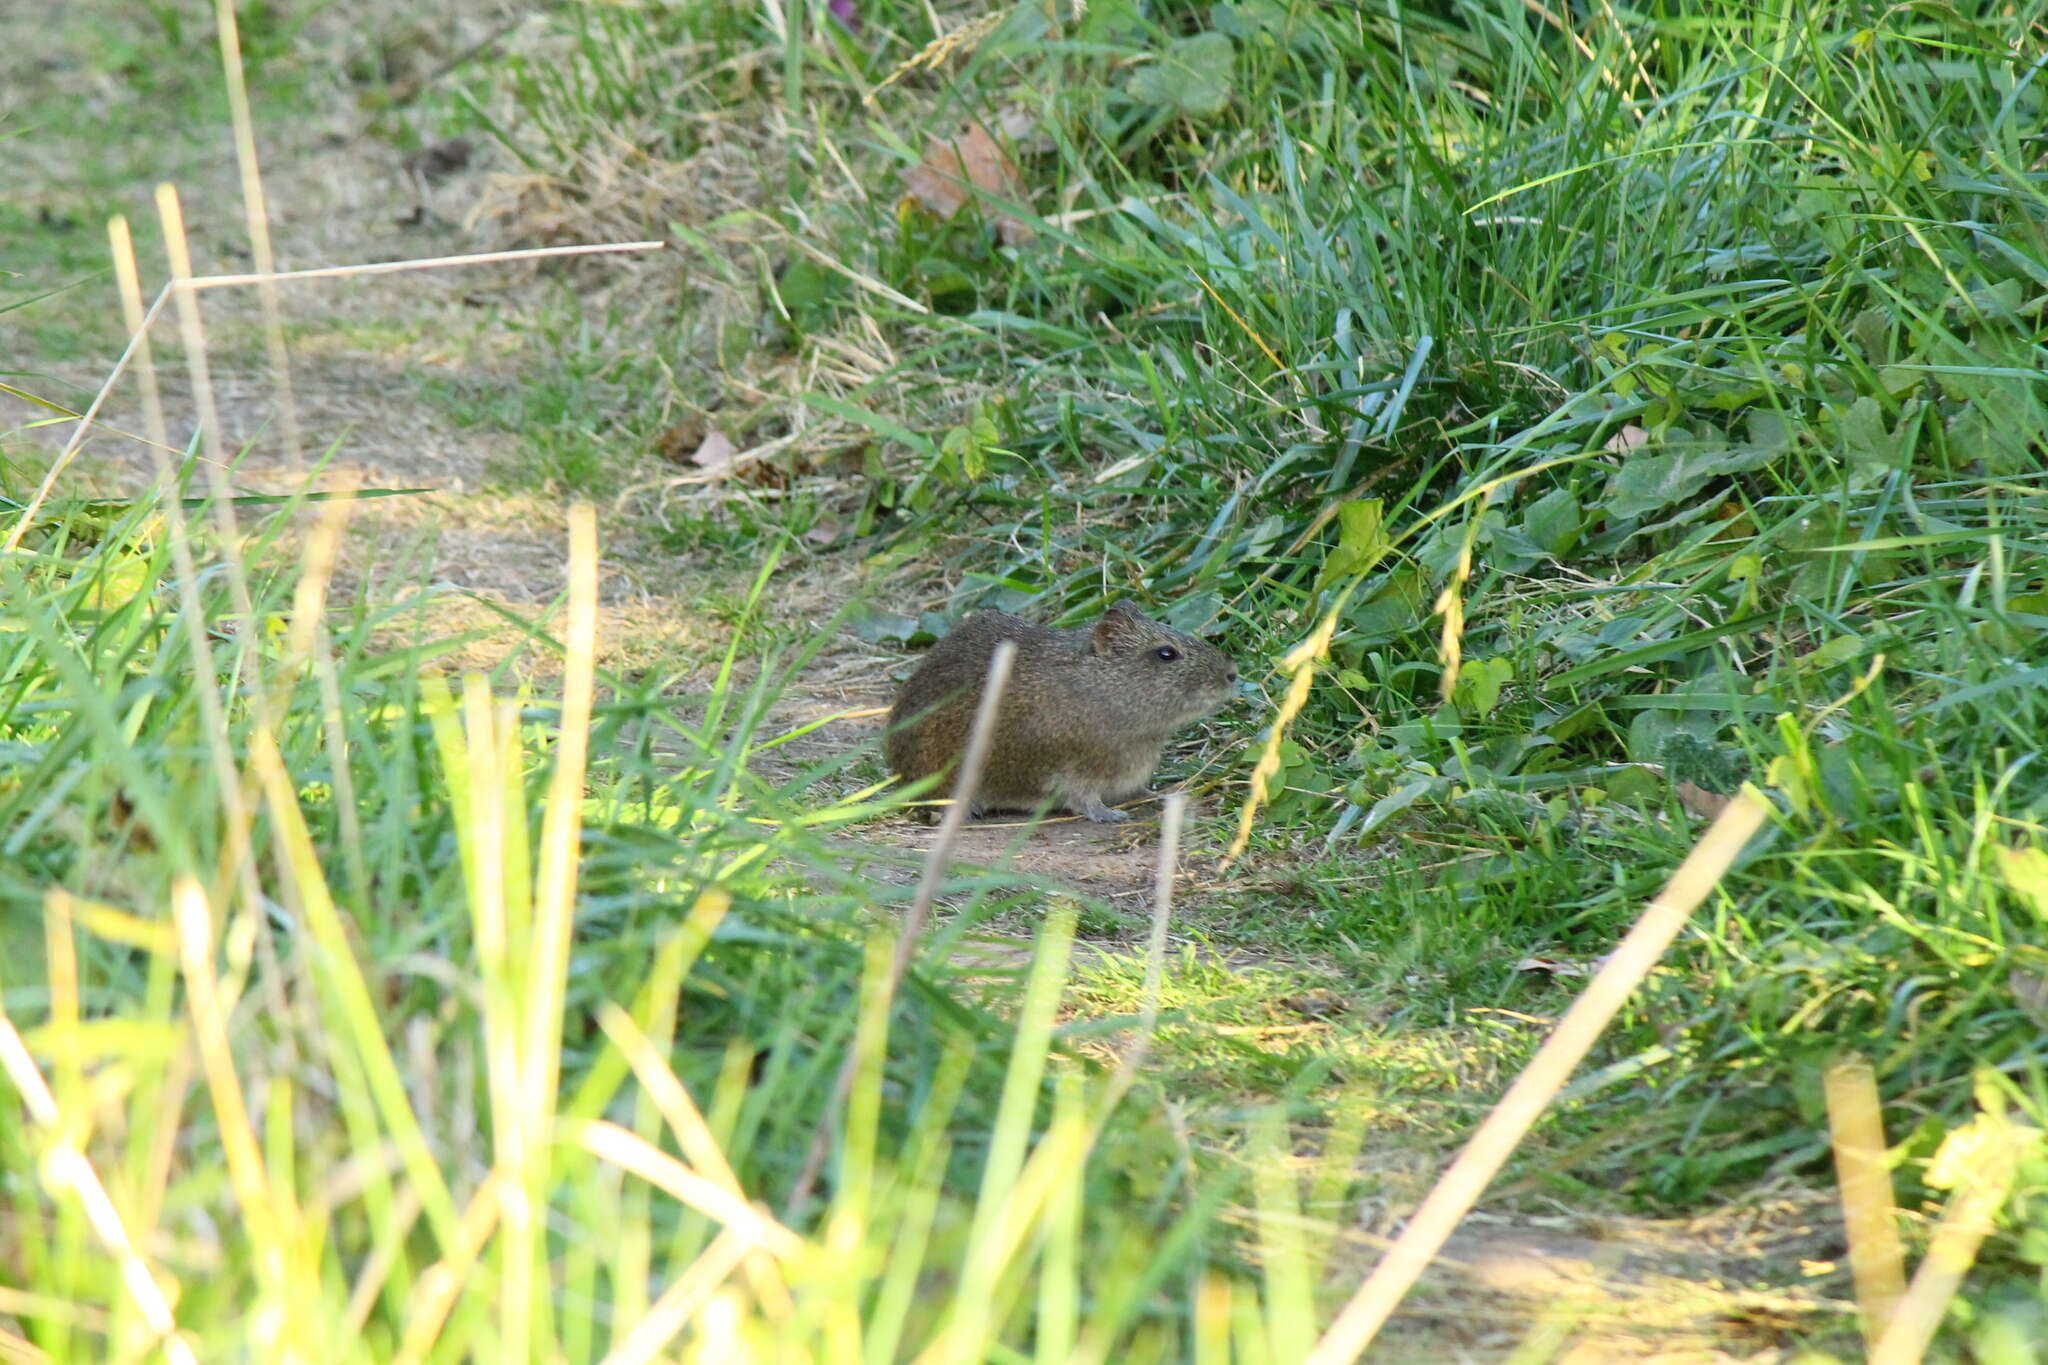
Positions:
{"x": 1856, "y": 1128}
{"x": 256, "y": 209}
{"x": 554, "y": 894}
{"x": 439, "y": 1285}
{"x": 630, "y": 1152}
{"x": 1489, "y": 1148}
{"x": 71, "y": 447}
{"x": 203, "y": 997}
{"x": 65, "y": 1167}
{"x": 128, "y": 284}
{"x": 188, "y": 283}
{"x": 680, "y": 1301}
{"x": 1989, "y": 1161}
{"x": 192, "y": 329}
{"x": 935, "y": 53}
{"x": 1173, "y": 813}
{"x": 670, "y": 1098}
{"x": 339, "y": 272}
{"x": 536, "y": 1033}
{"x": 965, "y": 783}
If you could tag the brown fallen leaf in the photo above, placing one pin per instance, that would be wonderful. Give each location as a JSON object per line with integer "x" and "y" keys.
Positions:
{"x": 1553, "y": 966}
{"x": 716, "y": 453}
{"x": 1625, "y": 440}
{"x": 951, "y": 171}
{"x": 675, "y": 443}
{"x": 1701, "y": 802}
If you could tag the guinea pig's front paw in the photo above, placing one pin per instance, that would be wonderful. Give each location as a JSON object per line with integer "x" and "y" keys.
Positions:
{"x": 1095, "y": 810}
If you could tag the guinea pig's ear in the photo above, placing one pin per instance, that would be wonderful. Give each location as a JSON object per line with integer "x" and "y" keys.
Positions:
{"x": 1122, "y": 626}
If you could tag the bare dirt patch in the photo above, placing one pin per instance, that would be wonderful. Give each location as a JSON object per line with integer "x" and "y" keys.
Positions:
{"x": 1735, "y": 1285}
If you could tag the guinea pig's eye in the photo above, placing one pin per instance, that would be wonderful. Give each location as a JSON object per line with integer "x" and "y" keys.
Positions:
{"x": 1168, "y": 652}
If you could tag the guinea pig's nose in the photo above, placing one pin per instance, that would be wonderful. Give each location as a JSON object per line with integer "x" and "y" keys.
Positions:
{"x": 1230, "y": 673}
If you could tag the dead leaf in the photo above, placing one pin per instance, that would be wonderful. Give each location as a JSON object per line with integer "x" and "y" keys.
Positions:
{"x": 946, "y": 179}
{"x": 1553, "y": 966}
{"x": 715, "y": 455}
{"x": 1316, "y": 1003}
{"x": 675, "y": 443}
{"x": 1625, "y": 440}
{"x": 1701, "y": 802}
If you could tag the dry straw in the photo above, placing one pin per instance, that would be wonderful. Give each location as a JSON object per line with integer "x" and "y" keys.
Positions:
{"x": 1489, "y": 1148}
{"x": 1987, "y": 1164}
{"x": 195, "y": 283}
{"x": 1856, "y": 1128}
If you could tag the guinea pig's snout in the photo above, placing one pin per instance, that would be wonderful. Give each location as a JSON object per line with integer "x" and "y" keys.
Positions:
{"x": 1230, "y": 674}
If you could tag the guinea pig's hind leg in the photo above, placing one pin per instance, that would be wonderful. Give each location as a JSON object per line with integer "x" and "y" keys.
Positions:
{"x": 1090, "y": 804}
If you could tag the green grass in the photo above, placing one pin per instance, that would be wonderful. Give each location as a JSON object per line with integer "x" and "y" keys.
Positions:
{"x": 1711, "y": 337}
{"x": 1697, "y": 354}
{"x": 410, "y": 832}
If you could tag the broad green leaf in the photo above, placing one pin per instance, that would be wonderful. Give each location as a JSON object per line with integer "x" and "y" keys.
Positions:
{"x": 2026, "y": 876}
{"x": 1649, "y": 482}
{"x": 1193, "y": 76}
{"x": 1398, "y": 800}
{"x": 1865, "y": 439}
{"x": 1553, "y": 521}
{"x": 1361, "y": 541}
{"x": 1480, "y": 682}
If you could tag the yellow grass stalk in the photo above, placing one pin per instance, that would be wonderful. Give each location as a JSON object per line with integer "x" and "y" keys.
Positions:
{"x": 439, "y": 1285}
{"x": 1983, "y": 1160}
{"x": 534, "y": 1034}
{"x": 68, "y": 1170}
{"x": 256, "y": 210}
{"x": 630, "y": 1152}
{"x": 1301, "y": 663}
{"x": 343, "y": 977}
{"x": 192, "y": 329}
{"x": 669, "y": 1097}
{"x": 1856, "y": 1128}
{"x": 1497, "y": 1137}
{"x": 1212, "y": 1319}
{"x": 681, "y": 1301}
{"x": 246, "y": 1174}
{"x": 1289, "y": 1278}
{"x": 128, "y": 284}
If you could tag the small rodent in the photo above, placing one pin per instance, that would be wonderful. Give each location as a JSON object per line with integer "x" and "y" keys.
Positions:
{"x": 1083, "y": 719}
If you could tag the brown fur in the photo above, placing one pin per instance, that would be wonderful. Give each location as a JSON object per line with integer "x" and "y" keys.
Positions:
{"x": 1084, "y": 718}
